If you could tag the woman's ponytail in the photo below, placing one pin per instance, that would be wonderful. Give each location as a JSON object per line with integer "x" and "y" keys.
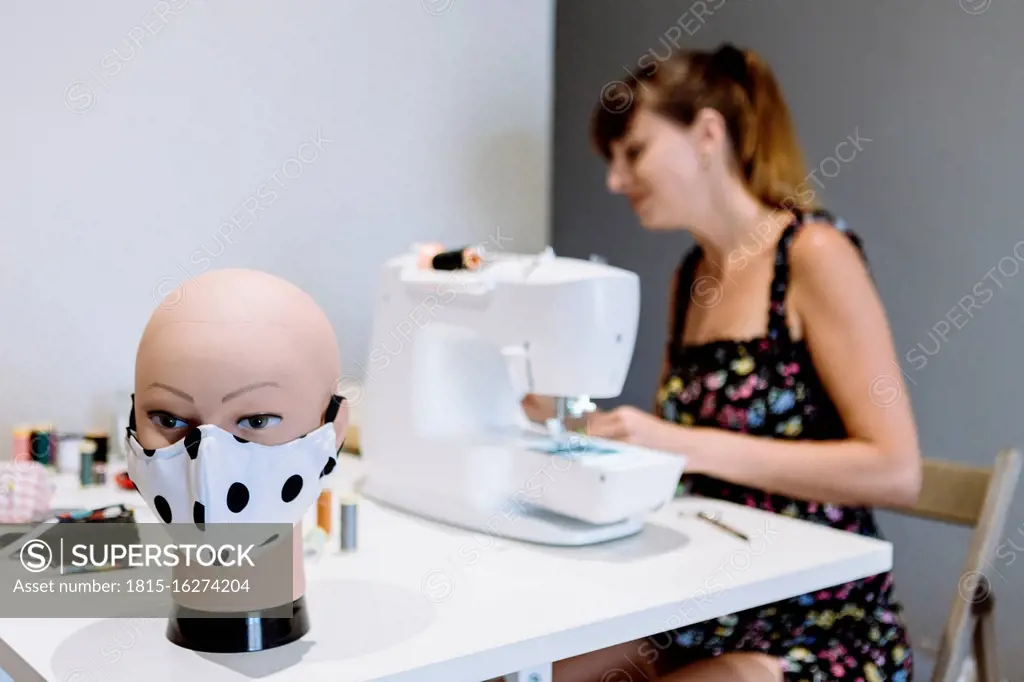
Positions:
{"x": 772, "y": 161}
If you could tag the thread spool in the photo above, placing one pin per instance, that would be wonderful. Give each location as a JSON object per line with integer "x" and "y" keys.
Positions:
{"x": 102, "y": 441}
{"x": 349, "y": 510}
{"x": 434, "y": 257}
{"x": 85, "y": 469}
{"x": 323, "y": 511}
{"x": 69, "y": 455}
{"x": 425, "y": 255}
{"x": 43, "y": 445}
{"x": 22, "y": 444}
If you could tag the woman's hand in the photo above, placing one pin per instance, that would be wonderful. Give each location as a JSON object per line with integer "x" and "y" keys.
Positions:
{"x": 538, "y": 408}
{"x": 633, "y": 426}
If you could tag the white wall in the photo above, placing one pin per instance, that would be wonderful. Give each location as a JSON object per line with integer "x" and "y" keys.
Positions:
{"x": 133, "y": 133}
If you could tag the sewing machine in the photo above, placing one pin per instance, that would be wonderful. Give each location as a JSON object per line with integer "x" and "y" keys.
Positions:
{"x": 443, "y": 432}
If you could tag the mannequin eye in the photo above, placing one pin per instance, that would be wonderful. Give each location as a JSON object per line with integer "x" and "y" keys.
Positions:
{"x": 259, "y": 421}
{"x": 167, "y": 421}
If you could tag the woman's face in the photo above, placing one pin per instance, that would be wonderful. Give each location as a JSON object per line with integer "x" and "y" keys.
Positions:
{"x": 658, "y": 167}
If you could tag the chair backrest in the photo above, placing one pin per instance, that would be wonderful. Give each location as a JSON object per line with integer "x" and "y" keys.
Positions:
{"x": 976, "y": 497}
{"x": 952, "y": 493}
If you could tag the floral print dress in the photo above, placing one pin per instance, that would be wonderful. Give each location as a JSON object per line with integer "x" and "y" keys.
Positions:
{"x": 768, "y": 387}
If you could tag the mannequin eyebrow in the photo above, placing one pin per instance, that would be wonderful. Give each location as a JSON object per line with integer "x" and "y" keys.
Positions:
{"x": 175, "y": 391}
{"x": 246, "y": 389}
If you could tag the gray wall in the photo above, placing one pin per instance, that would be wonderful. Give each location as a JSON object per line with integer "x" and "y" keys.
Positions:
{"x": 938, "y": 91}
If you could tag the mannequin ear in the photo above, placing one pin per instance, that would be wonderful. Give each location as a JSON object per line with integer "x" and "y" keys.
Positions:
{"x": 337, "y": 414}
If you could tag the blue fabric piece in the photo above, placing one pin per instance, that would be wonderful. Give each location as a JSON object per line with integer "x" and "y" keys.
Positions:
{"x": 574, "y": 449}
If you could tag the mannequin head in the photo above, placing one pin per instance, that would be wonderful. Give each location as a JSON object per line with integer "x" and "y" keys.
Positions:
{"x": 244, "y": 351}
{"x": 240, "y": 349}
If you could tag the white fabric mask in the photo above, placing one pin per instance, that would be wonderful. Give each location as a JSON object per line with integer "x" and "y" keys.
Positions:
{"x": 213, "y": 476}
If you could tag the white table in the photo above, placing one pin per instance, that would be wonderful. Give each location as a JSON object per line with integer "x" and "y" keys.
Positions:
{"x": 420, "y": 601}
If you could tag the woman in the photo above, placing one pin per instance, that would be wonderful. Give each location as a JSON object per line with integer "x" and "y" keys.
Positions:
{"x": 779, "y": 384}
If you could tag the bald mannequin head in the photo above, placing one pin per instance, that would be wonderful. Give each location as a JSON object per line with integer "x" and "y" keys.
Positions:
{"x": 240, "y": 349}
{"x": 256, "y": 357}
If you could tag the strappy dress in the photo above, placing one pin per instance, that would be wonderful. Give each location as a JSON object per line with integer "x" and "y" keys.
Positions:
{"x": 769, "y": 387}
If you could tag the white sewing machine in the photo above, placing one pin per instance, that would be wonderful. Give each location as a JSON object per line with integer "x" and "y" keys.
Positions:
{"x": 443, "y": 433}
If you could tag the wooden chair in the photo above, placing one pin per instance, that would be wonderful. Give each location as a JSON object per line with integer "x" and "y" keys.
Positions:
{"x": 979, "y": 498}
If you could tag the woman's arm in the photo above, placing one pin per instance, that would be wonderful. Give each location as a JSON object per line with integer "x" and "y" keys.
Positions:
{"x": 851, "y": 345}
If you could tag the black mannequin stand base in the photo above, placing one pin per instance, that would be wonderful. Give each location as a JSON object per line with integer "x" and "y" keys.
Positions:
{"x": 237, "y": 633}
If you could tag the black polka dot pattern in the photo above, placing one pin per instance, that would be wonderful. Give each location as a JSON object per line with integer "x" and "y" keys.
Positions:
{"x": 162, "y": 508}
{"x": 182, "y": 505}
{"x": 238, "y": 497}
{"x": 199, "y": 515}
{"x": 192, "y": 442}
{"x": 291, "y": 488}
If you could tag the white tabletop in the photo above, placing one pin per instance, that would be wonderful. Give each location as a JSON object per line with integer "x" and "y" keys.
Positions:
{"x": 421, "y": 601}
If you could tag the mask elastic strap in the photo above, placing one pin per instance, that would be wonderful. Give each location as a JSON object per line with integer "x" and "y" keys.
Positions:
{"x": 333, "y": 407}
{"x": 132, "y": 427}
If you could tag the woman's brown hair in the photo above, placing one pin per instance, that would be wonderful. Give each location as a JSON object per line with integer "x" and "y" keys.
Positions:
{"x": 741, "y": 87}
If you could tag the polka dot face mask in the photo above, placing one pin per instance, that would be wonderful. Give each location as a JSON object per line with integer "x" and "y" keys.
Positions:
{"x": 213, "y": 476}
